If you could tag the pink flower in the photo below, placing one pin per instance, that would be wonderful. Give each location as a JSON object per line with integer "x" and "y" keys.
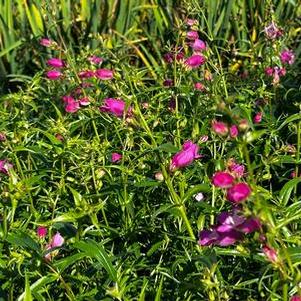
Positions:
{"x": 46, "y": 42}
{"x": 270, "y": 253}
{"x": 86, "y": 74}
{"x": 116, "y": 157}
{"x": 195, "y": 61}
{"x": 269, "y": 71}
{"x": 191, "y": 22}
{"x": 287, "y": 57}
{"x": 258, "y": 117}
{"x": 296, "y": 298}
{"x": 237, "y": 170}
{"x": 104, "y": 74}
{"x": 203, "y": 139}
{"x": 71, "y": 105}
{"x": 219, "y": 128}
{"x": 5, "y": 166}
{"x": 57, "y": 240}
{"x": 199, "y": 86}
{"x": 115, "y": 107}
{"x": 53, "y": 74}
{"x": 222, "y": 179}
{"x": 168, "y": 57}
{"x": 186, "y": 156}
{"x": 198, "y": 45}
{"x": 95, "y": 59}
{"x": 192, "y": 35}
{"x": 84, "y": 101}
{"x": 238, "y": 193}
{"x": 56, "y": 63}
{"x": 272, "y": 31}
{"x": 199, "y": 196}
{"x": 233, "y": 131}
{"x": 41, "y": 232}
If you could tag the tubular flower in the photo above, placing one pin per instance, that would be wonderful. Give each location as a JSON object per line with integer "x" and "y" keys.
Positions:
{"x": 186, "y": 156}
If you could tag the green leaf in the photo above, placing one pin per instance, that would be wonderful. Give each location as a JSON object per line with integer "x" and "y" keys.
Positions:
{"x": 22, "y": 239}
{"x": 27, "y": 295}
{"x": 168, "y": 148}
{"x": 287, "y": 189}
{"x": 97, "y": 251}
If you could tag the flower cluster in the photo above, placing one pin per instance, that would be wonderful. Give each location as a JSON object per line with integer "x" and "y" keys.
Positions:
{"x": 230, "y": 228}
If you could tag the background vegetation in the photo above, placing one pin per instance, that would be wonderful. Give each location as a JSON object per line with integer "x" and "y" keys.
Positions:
{"x": 128, "y": 234}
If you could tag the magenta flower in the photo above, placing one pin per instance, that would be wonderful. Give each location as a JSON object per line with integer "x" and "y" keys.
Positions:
{"x": 199, "y": 86}
{"x": 195, "y": 61}
{"x": 186, "y": 156}
{"x": 258, "y": 117}
{"x": 272, "y": 31}
{"x": 233, "y": 131}
{"x": 104, "y": 74}
{"x": 168, "y": 57}
{"x": 238, "y": 193}
{"x": 222, "y": 179}
{"x": 269, "y": 71}
{"x": 116, "y": 157}
{"x": 287, "y": 57}
{"x": 220, "y": 128}
{"x": 57, "y": 240}
{"x": 86, "y": 74}
{"x": 71, "y": 105}
{"x": 270, "y": 253}
{"x": 95, "y": 59}
{"x": 198, "y": 45}
{"x": 237, "y": 170}
{"x": 208, "y": 237}
{"x": 41, "y": 232}
{"x": 46, "y": 42}
{"x": 84, "y": 101}
{"x": 296, "y": 298}
{"x": 56, "y": 63}
{"x": 191, "y": 22}
{"x": 115, "y": 107}
{"x": 53, "y": 74}
{"x": 5, "y": 166}
{"x": 192, "y": 35}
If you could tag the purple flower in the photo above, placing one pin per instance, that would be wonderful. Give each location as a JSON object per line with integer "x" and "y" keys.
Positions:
{"x": 53, "y": 74}
{"x": 272, "y": 31}
{"x": 115, "y": 107}
{"x": 168, "y": 57}
{"x": 186, "y": 156}
{"x": 5, "y": 166}
{"x": 195, "y": 61}
{"x": 287, "y": 57}
{"x": 104, "y": 74}
{"x": 168, "y": 83}
{"x": 56, "y": 63}
{"x": 229, "y": 229}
